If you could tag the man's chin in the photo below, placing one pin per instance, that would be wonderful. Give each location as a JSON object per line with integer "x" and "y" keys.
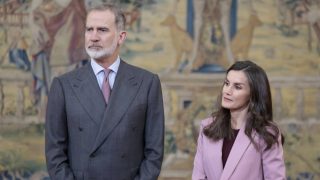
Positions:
{"x": 96, "y": 54}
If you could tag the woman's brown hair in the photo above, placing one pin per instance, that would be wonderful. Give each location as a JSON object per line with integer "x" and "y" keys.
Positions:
{"x": 260, "y": 117}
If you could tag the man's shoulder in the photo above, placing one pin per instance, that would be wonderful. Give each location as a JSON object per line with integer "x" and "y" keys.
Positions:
{"x": 137, "y": 70}
{"x": 73, "y": 73}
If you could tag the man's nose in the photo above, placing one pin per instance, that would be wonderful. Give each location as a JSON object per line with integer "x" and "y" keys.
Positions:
{"x": 94, "y": 37}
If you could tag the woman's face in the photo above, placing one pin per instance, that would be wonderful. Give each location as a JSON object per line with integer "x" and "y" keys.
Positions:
{"x": 235, "y": 91}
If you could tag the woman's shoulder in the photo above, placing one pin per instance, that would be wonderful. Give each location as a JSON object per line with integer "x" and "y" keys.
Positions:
{"x": 273, "y": 129}
{"x": 207, "y": 121}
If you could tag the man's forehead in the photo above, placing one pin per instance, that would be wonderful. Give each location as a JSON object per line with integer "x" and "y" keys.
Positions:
{"x": 100, "y": 17}
{"x": 101, "y": 13}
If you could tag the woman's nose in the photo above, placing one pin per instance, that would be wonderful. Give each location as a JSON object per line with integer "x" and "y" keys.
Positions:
{"x": 228, "y": 90}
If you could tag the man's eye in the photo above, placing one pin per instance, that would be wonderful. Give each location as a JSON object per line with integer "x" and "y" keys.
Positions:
{"x": 103, "y": 30}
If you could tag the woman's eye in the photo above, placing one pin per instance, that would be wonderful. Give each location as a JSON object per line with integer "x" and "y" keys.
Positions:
{"x": 238, "y": 87}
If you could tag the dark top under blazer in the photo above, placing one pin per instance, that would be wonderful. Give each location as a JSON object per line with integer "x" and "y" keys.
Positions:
{"x": 85, "y": 139}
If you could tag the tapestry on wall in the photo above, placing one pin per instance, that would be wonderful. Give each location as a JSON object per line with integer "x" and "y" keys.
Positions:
{"x": 189, "y": 44}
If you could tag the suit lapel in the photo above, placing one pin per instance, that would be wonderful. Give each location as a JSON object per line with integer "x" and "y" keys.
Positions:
{"x": 87, "y": 90}
{"x": 239, "y": 147}
{"x": 216, "y": 166}
{"x": 124, "y": 90}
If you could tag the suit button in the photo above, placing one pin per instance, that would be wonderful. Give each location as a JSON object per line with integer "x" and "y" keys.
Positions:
{"x": 80, "y": 128}
{"x": 123, "y": 156}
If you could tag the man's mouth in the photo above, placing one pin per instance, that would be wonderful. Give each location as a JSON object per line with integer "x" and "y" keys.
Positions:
{"x": 95, "y": 47}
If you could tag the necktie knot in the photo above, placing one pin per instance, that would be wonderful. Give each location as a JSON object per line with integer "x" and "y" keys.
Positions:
{"x": 106, "y": 72}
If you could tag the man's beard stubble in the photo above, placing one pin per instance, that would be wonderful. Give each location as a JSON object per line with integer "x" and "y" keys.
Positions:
{"x": 106, "y": 52}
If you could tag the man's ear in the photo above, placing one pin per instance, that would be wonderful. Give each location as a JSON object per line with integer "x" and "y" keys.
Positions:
{"x": 122, "y": 37}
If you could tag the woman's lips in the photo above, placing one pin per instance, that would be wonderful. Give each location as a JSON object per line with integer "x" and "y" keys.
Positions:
{"x": 226, "y": 99}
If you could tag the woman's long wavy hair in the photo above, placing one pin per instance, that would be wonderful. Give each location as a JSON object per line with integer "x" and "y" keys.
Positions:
{"x": 259, "y": 111}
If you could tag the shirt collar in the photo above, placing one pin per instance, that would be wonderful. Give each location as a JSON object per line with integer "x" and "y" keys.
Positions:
{"x": 97, "y": 68}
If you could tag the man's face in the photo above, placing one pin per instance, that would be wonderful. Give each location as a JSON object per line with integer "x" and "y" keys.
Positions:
{"x": 101, "y": 36}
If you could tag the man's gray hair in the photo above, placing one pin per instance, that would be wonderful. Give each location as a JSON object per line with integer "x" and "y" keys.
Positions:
{"x": 120, "y": 18}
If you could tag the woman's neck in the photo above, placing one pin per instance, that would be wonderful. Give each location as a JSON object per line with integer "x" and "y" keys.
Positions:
{"x": 238, "y": 118}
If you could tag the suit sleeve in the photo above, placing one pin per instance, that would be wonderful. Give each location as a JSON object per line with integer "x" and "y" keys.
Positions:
{"x": 273, "y": 162}
{"x": 56, "y": 135}
{"x": 154, "y": 134}
{"x": 198, "y": 171}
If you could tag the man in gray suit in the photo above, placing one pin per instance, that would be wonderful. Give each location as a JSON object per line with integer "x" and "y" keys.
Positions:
{"x": 100, "y": 124}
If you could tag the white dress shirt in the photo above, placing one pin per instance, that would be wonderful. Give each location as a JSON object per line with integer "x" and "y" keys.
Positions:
{"x": 98, "y": 71}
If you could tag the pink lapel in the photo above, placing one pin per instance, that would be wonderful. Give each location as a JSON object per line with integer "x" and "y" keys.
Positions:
{"x": 216, "y": 158}
{"x": 239, "y": 147}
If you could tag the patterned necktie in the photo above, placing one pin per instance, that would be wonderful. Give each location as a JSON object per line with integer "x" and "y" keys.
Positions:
{"x": 105, "y": 85}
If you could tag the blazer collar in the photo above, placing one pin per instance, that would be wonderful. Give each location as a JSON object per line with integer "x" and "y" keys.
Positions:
{"x": 86, "y": 88}
{"x": 239, "y": 147}
{"x": 124, "y": 90}
{"x": 217, "y": 158}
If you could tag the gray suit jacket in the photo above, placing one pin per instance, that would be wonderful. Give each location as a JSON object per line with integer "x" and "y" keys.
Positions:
{"x": 85, "y": 139}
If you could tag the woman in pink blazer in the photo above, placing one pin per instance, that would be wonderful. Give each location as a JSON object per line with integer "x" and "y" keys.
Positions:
{"x": 240, "y": 141}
